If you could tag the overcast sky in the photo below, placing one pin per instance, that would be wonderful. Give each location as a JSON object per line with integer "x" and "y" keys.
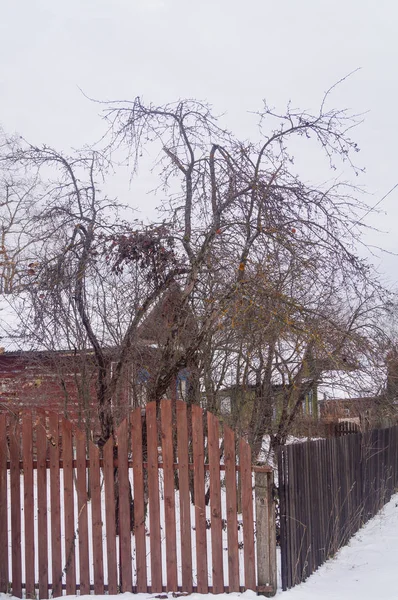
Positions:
{"x": 228, "y": 52}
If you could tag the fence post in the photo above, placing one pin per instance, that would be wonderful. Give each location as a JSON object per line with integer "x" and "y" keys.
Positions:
{"x": 265, "y": 532}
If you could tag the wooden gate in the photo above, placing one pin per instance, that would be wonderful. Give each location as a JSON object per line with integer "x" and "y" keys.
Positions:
{"x": 59, "y": 497}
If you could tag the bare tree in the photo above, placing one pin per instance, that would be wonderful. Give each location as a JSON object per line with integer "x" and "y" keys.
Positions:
{"x": 232, "y": 211}
{"x": 17, "y": 210}
{"x": 284, "y": 334}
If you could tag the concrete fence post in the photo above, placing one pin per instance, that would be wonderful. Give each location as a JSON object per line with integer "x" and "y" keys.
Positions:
{"x": 265, "y": 533}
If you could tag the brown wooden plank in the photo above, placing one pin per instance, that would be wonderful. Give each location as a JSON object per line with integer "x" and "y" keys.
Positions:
{"x": 215, "y": 503}
{"x": 95, "y": 487}
{"x": 185, "y": 504}
{"x": 272, "y": 534}
{"x": 282, "y": 516}
{"x": 293, "y": 508}
{"x": 41, "y": 449}
{"x": 29, "y": 542}
{"x": 199, "y": 492}
{"x": 247, "y": 515}
{"x": 15, "y": 445}
{"x": 4, "y": 578}
{"x": 81, "y": 487}
{"x": 109, "y": 478}
{"x": 69, "y": 512}
{"x": 56, "y": 557}
{"x": 169, "y": 495}
{"x": 154, "y": 504}
{"x": 126, "y": 580}
{"x": 231, "y": 505}
{"x": 139, "y": 503}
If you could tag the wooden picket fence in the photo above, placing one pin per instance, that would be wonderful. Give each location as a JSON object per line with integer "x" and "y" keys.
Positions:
{"x": 64, "y": 487}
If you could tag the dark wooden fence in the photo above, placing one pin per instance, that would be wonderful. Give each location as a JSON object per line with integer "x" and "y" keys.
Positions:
{"x": 328, "y": 489}
{"x": 341, "y": 428}
{"x": 58, "y": 525}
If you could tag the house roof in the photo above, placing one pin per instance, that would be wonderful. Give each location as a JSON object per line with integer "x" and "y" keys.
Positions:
{"x": 358, "y": 400}
{"x": 158, "y": 325}
{"x": 152, "y": 333}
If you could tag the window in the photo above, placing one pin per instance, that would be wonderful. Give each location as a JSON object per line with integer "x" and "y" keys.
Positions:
{"x": 182, "y": 381}
{"x": 141, "y": 386}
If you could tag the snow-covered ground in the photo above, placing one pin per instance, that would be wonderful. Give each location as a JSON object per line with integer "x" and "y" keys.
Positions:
{"x": 366, "y": 569}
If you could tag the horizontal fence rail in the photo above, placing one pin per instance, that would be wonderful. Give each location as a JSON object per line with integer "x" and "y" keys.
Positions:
{"x": 327, "y": 490}
{"x": 156, "y": 509}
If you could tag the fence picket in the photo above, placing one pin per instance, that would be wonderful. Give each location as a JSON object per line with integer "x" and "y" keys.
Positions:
{"x": 185, "y": 504}
{"x": 4, "y": 578}
{"x": 110, "y": 515}
{"x": 215, "y": 501}
{"x": 69, "y": 513}
{"x": 56, "y": 556}
{"x": 231, "y": 504}
{"x": 293, "y": 509}
{"x": 308, "y": 557}
{"x": 282, "y": 472}
{"x": 96, "y": 519}
{"x": 15, "y": 441}
{"x": 126, "y": 581}
{"x": 153, "y": 492}
{"x": 199, "y": 492}
{"x": 247, "y": 515}
{"x": 139, "y": 502}
{"x": 29, "y": 541}
{"x": 169, "y": 494}
{"x": 81, "y": 487}
{"x": 41, "y": 449}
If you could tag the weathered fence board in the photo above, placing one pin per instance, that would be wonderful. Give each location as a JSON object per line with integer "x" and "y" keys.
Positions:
{"x": 169, "y": 494}
{"x": 231, "y": 506}
{"x": 185, "y": 504}
{"x": 82, "y": 501}
{"x": 41, "y": 452}
{"x": 69, "y": 509}
{"x": 91, "y": 505}
{"x": 15, "y": 480}
{"x": 56, "y": 553}
{"x": 126, "y": 576}
{"x": 247, "y": 514}
{"x": 213, "y": 436}
{"x": 110, "y": 516}
{"x": 265, "y": 531}
{"x": 153, "y": 493}
{"x": 139, "y": 503}
{"x": 199, "y": 491}
{"x": 96, "y": 519}
{"x": 3, "y": 509}
{"x": 27, "y": 453}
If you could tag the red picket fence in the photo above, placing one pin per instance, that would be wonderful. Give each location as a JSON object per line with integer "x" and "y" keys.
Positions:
{"x": 69, "y": 494}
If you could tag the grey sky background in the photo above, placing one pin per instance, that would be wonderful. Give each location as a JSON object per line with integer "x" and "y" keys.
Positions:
{"x": 230, "y": 53}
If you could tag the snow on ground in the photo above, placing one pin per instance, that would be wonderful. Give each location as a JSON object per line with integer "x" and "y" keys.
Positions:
{"x": 248, "y": 595}
{"x": 366, "y": 569}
